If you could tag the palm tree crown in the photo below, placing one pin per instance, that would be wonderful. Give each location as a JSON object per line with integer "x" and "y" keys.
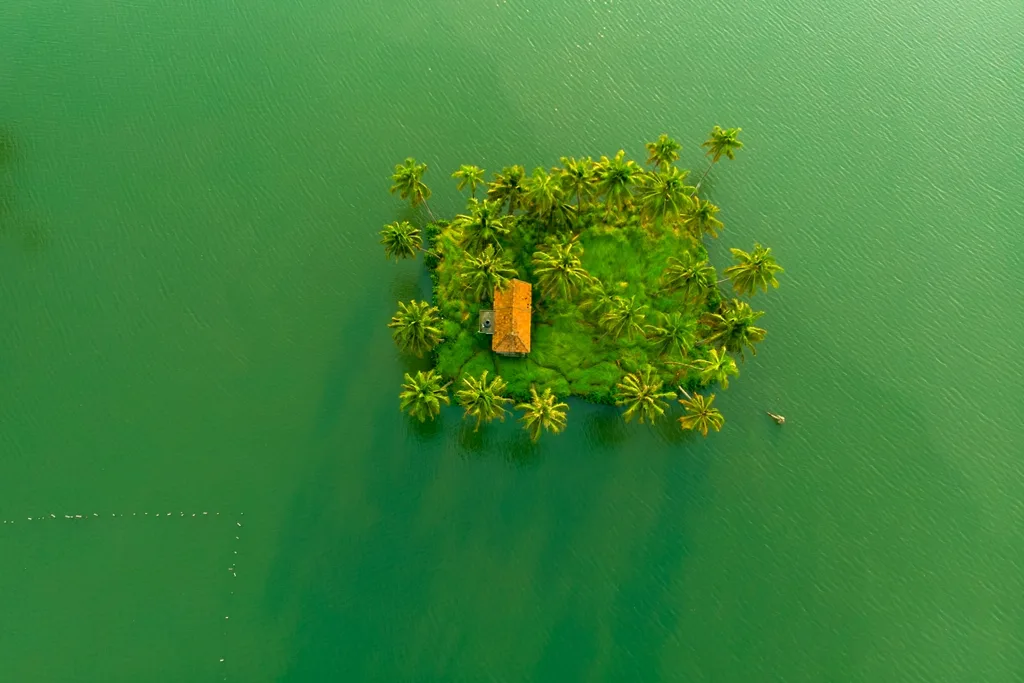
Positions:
{"x": 673, "y": 335}
{"x": 577, "y": 177}
{"x": 753, "y": 271}
{"x": 416, "y": 327}
{"x": 693, "y": 277}
{"x": 543, "y": 192}
{"x": 484, "y": 272}
{"x": 700, "y": 414}
{"x": 716, "y": 367}
{"x": 423, "y": 394}
{"x": 616, "y": 177}
{"x": 508, "y": 186}
{"x": 408, "y": 182}
{"x": 722, "y": 141}
{"x": 641, "y": 393}
{"x": 625, "y": 316}
{"x": 471, "y": 176}
{"x": 542, "y": 412}
{"x": 665, "y": 194}
{"x": 700, "y": 219}
{"x": 482, "y": 399}
{"x": 401, "y": 240}
{"x": 733, "y": 327}
{"x": 558, "y": 270}
{"x": 663, "y": 152}
{"x": 483, "y": 225}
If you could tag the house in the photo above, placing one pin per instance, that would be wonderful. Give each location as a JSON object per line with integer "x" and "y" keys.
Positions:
{"x": 512, "y": 310}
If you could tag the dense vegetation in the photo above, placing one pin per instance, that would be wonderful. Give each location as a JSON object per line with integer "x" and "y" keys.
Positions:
{"x": 626, "y": 304}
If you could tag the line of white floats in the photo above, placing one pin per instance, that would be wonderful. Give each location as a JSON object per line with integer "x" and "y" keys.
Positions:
{"x": 134, "y": 514}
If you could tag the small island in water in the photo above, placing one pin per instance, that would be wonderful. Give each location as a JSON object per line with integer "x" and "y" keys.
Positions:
{"x": 589, "y": 279}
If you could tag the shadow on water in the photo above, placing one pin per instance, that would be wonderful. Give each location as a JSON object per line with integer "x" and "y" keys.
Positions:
{"x": 27, "y": 230}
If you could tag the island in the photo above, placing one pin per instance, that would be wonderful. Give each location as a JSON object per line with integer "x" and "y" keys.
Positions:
{"x": 589, "y": 279}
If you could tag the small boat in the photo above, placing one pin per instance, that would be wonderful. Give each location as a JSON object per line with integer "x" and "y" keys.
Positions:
{"x": 778, "y": 418}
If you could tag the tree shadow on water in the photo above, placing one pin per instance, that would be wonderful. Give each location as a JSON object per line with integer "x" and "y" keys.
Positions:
{"x": 521, "y": 451}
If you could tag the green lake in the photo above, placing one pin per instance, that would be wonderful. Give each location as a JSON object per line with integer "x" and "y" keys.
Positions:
{"x": 193, "y": 304}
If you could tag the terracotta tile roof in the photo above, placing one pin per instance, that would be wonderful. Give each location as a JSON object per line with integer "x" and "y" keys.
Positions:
{"x": 512, "y": 310}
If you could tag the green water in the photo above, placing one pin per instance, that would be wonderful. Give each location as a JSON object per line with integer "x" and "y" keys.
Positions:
{"x": 192, "y": 309}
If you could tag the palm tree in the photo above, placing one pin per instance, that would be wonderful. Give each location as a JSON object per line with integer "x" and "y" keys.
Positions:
{"x": 665, "y": 194}
{"x": 483, "y": 225}
{"x": 484, "y": 272}
{"x": 408, "y": 183}
{"x": 473, "y": 176}
{"x": 753, "y": 271}
{"x": 716, "y": 367}
{"x": 693, "y": 277}
{"x": 722, "y": 141}
{"x": 641, "y": 393}
{"x": 733, "y": 327}
{"x": 423, "y": 394}
{"x": 674, "y": 334}
{"x": 542, "y": 412}
{"x": 596, "y": 300}
{"x": 700, "y": 219}
{"x": 615, "y": 179}
{"x": 663, "y": 152}
{"x": 577, "y": 177}
{"x": 700, "y": 414}
{"x": 417, "y": 327}
{"x": 482, "y": 399}
{"x": 542, "y": 193}
{"x": 626, "y": 316}
{"x": 401, "y": 240}
{"x": 559, "y": 271}
{"x": 508, "y": 186}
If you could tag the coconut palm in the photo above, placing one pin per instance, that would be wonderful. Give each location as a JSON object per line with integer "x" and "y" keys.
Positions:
{"x": 423, "y": 394}
{"x": 753, "y": 271}
{"x": 665, "y": 194}
{"x": 700, "y": 219}
{"x": 625, "y": 316}
{"x": 481, "y": 226}
{"x": 542, "y": 193}
{"x": 663, "y": 152}
{"x": 640, "y": 392}
{"x": 596, "y": 299}
{"x": 692, "y": 276}
{"x": 716, "y": 367}
{"x": 577, "y": 177}
{"x": 558, "y": 270}
{"x": 700, "y": 414}
{"x": 542, "y": 412}
{"x": 673, "y": 335}
{"x": 401, "y": 240}
{"x": 508, "y": 186}
{"x": 482, "y": 273}
{"x": 408, "y": 183}
{"x": 482, "y": 399}
{"x": 471, "y": 176}
{"x": 722, "y": 141}
{"x": 733, "y": 327}
{"x": 416, "y": 327}
{"x": 616, "y": 178}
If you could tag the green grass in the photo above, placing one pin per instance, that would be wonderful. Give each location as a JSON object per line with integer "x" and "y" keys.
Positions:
{"x": 570, "y": 353}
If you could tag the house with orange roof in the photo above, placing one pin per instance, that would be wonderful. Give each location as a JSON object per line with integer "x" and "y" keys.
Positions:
{"x": 513, "y": 308}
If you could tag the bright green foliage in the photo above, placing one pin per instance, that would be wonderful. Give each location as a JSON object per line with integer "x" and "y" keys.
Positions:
{"x": 482, "y": 273}
{"x": 700, "y": 414}
{"x": 700, "y": 219}
{"x": 542, "y": 412}
{"x": 482, "y": 226}
{"x": 416, "y": 327}
{"x": 625, "y": 317}
{"x": 543, "y": 193}
{"x": 665, "y": 194}
{"x": 578, "y": 178}
{"x": 408, "y": 182}
{"x": 722, "y": 141}
{"x": 616, "y": 178}
{"x": 663, "y": 152}
{"x": 674, "y": 334}
{"x": 640, "y": 392}
{"x": 401, "y": 240}
{"x": 558, "y": 271}
{"x": 716, "y": 368}
{"x": 508, "y": 186}
{"x": 471, "y": 176}
{"x": 482, "y": 399}
{"x": 733, "y": 327}
{"x": 596, "y": 299}
{"x": 423, "y": 394}
{"x": 753, "y": 271}
{"x": 690, "y": 276}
